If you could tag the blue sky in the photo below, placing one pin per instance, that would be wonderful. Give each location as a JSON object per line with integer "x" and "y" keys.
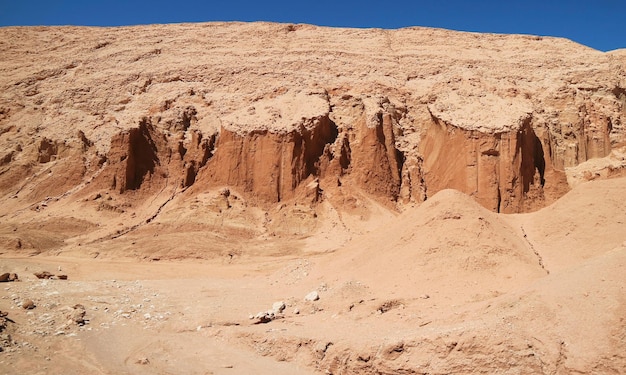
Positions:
{"x": 600, "y": 24}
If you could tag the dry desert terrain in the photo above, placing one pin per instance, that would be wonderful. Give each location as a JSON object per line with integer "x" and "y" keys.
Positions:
{"x": 253, "y": 198}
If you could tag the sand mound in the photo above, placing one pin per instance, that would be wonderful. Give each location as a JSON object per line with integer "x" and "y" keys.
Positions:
{"x": 586, "y": 222}
{"x": 450, "y": 234}
{"x": 445, "y": 287}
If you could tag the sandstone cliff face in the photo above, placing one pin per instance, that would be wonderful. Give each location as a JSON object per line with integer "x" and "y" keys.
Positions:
{"x": 269, "y": 165}
{"x": 252, "y": 147}
{"x": 271, "y": 110}
{"x": 505, "y": 172}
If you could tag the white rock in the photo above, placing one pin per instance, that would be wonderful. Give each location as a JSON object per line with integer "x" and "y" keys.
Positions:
{"x": 313, "y": 296}
{"x": 265, "y": 317}
{"x": 278, "y": 307}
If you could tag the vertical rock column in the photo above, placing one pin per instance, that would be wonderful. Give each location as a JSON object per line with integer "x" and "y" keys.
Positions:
{"x": 497, "y": 169}
{"x": 268, "y": 165}
{"x": 376, "y": 163}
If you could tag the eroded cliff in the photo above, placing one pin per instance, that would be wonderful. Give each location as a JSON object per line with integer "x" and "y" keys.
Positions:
{"x": 284, "y": 112}
{"x": 272, "y": 161}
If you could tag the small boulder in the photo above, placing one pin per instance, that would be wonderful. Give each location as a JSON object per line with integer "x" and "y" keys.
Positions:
{"x": 43, "y": 275}
{"x": 6, "y": 277}
{"x": 77, "y": 314}
{"x": 264, "y": 317}
{"x": 143, "y": 361}
{"x": 278, "y": 307}
{"x": 28, "y": 304}
{"x": 313, "y": 296}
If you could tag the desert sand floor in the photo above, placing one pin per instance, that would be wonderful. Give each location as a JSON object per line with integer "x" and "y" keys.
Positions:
{"x": 444, "y": 287}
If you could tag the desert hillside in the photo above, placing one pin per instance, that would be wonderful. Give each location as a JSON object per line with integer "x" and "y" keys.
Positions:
{"x": 456, "y": 201}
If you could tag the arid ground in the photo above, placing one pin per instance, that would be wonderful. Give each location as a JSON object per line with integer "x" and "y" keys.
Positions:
{"x": 233, "y": 198}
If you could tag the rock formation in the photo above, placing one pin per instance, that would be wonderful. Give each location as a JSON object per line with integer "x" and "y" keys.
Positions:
{"x": 269, "y": 109}
{"x": 253, "y": 146}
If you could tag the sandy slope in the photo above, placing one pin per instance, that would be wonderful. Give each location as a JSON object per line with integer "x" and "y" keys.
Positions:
{"x": 586, "y": 222}
{"x": 445, "y": 287}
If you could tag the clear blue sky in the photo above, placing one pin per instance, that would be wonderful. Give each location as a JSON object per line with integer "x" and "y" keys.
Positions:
{"x": 600, "y": 24}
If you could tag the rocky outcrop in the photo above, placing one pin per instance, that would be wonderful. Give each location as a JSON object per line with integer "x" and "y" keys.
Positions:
{"x": 419, "y": 115}
{"x": 134, "y": 157}
{"x": 375, "y": 162}
{"x": 7, "y": 277}
{"x": 499, "y": 170}
{"x": 586, "y": 129}
{"x": 145, "y": 158}
{"x": 268, "y": 165}
{"x": 195, "y": 155}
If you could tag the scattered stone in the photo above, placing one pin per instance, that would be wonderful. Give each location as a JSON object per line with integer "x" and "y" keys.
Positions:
{"x": 389, "y": 305}
{"x": 6, "y": 277}
{"x": 313, "y": 296}
{"x": 143, "y": 361}
{"x": 5, "y": 341}
{"x": 43, "y": 275}
{"x": 264, "y": 317}
{"x": 278, "y": 307}
{"x": 425, "y": 296}
{"x": 269, "y": 315}
{"x": 77, "y": 314}
{"x": 48, "y": 275}
{"x": 225, "y": 192}
{"x": 28, "y": 304}
{"x": 3, "y": 323}
{"x": 296, "y": 311}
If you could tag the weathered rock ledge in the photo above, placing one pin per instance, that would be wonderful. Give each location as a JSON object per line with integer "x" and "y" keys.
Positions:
{"x": 285, "y": 112}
